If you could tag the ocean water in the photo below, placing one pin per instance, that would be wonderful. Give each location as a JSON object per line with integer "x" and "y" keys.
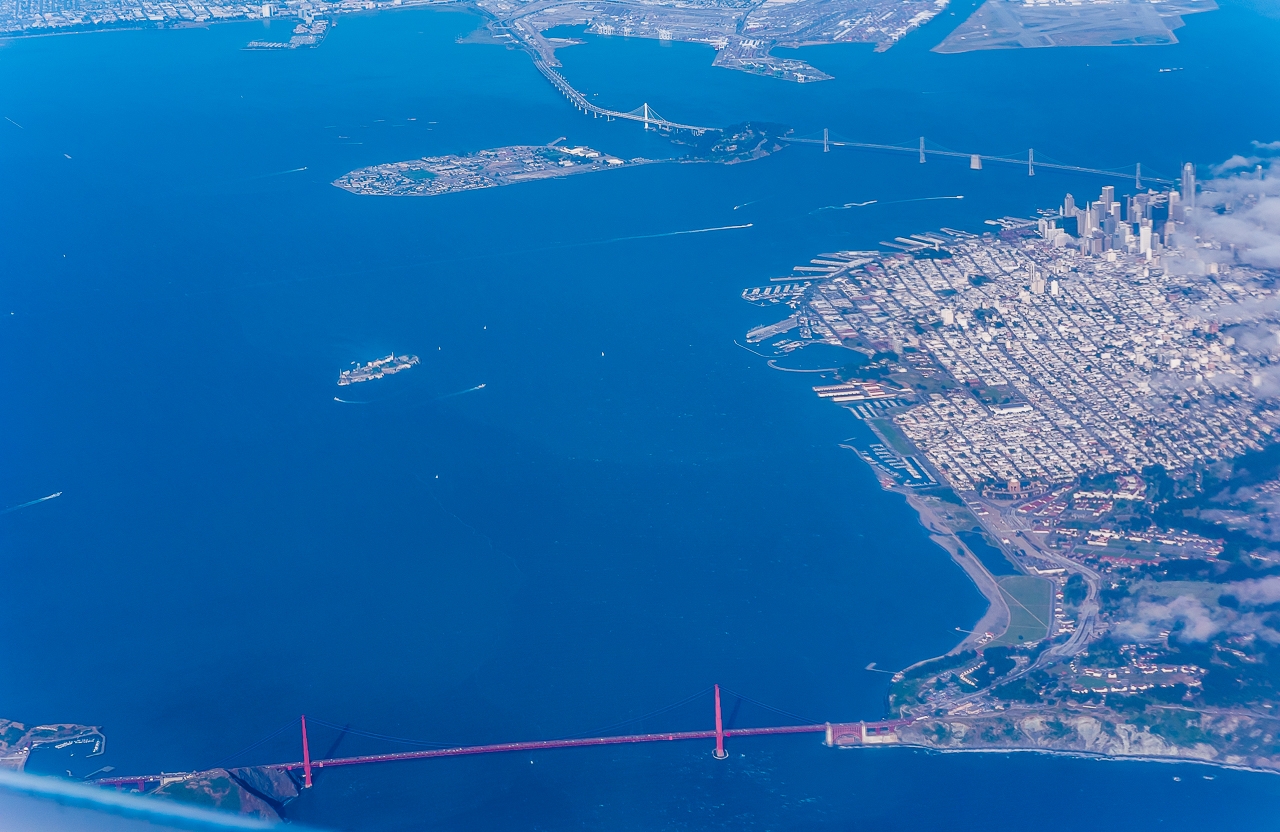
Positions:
{"x": 631, "y": 509}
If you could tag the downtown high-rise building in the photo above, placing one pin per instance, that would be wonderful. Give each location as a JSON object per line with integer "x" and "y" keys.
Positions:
{"x": 1189, "y": 185}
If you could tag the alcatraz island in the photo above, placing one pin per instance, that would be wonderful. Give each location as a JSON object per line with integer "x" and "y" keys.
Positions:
{"x": 379, "y": 368}
{"x": 1082, "y": 407}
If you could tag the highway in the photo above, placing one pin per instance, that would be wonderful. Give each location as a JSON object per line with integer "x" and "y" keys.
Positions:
{"x": 1004, "y": 524}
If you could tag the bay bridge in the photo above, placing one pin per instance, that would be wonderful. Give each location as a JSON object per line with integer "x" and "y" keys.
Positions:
{"x": 651, "y": 120}
{"x": 977, "y": 159}
{"x": 836, "y": 735}
{"x": 644, "y": 113}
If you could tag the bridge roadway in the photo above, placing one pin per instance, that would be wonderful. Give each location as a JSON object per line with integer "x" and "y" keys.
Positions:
{"x": 958, "y": 155}
{"x": 146, "y": 782}
{"x": 547, "y": 744}
{"x": 644, "y": 113}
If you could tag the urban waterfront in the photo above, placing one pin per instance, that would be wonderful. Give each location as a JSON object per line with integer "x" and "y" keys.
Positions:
{"x": 631, "y": 509}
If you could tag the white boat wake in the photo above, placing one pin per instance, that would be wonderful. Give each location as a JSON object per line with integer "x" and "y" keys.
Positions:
{"x": 30, "y": 503}
{"x": 848, "y": 205}
{"x": 679, "y": 233}
{"x": 462, "y": 392}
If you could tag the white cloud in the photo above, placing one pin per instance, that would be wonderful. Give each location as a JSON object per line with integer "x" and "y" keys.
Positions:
{"x": 1256, "y": 592}
{"x": 1190, "y": 619}
{"x": 1236, "y": 163}
{"x": 1150, "y": 618}
{"x": 1241, "y": 213}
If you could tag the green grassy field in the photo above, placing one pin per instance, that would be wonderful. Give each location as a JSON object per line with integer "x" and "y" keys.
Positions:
{"x": 896, "y": 440}
{"x": 1030, "y": 603}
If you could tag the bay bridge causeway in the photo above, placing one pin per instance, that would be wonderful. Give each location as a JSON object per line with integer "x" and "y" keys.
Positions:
{"x": 836, "y": 735}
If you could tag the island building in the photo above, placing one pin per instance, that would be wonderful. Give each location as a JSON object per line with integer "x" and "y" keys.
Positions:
{"x": 388, "y": 365}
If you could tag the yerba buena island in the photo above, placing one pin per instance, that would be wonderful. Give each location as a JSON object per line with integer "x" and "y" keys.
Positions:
{"x": 1082, "y": 407}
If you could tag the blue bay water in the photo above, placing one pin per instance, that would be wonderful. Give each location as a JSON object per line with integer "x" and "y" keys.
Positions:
{"x": 631, "y": 509}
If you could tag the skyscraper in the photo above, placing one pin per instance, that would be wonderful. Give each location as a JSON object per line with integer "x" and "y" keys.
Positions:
{"x": 1189, "y": 185}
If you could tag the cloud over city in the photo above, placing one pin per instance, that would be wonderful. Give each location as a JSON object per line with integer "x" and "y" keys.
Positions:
{"x": 1241, "y": 211}
{"x": 1188, "y": 618}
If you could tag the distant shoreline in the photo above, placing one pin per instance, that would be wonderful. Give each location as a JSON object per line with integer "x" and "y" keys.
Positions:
{"x": 159, "y": 26}
{"x": 1081, "y": 755}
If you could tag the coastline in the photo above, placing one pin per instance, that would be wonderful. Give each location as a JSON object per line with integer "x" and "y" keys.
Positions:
{"x": 1080, "y": 755}
{"x": 1059, "y": 661}
{"x": 997, "y": 617}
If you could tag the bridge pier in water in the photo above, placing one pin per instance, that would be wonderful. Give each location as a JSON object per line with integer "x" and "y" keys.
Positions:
{"x": 720, "y": 753}
{"x": 306, "y": 756}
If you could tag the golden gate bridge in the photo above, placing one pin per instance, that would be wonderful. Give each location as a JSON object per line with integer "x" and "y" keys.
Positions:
{"x": 836, "y": 734}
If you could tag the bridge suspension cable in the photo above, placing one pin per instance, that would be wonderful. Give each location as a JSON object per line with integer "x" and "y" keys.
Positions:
{"x": 657, "y": 712}
{"x": 347, "y": 729}
{"x": 1029, "y": 160}
{"x": 760, "y": 704}
{"x": 260, "y": 742}
{"x": 644, "y": 113}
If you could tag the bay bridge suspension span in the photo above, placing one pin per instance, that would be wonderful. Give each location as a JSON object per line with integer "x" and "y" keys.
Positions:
{"x": 644, "y": 113}
{"x": 651, "y": 120}
{"x": 836, "y": 734}
{"x": 976, "y": 159}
